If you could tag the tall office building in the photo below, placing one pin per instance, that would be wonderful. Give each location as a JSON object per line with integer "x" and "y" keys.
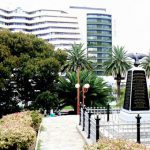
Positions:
{"x": 99, "y": 39}
{"x": 55, "y": 26}
{"x": 96, "y": 31}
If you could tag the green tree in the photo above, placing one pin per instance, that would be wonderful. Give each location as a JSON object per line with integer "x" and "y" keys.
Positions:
{"x": 77, "y": 58}
{"x": 97, "y": 94}
{"x": 33, "y": 58}
{"x": 117, "y": 66}
{"x": 46, "y": 100}
{"x": 146, "y": 65}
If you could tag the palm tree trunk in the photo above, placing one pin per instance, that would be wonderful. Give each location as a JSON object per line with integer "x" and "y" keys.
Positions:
{"x": 78, "y": 91}
{"x": 118, "y": 90}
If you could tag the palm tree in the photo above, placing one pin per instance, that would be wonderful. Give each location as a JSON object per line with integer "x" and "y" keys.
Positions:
{"x": 146, "y": 65}
{"x": 97, "y": 94}
{"x": 77, "y": 58}
{"x": 117, "y": 65}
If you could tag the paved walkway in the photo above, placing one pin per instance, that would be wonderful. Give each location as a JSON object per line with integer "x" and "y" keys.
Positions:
{"x": 60, "y": 133}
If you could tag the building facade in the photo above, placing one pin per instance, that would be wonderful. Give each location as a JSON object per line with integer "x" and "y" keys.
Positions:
{"x": 55, "y": 26}
{"x": 99, "y": 39}
{"x": 96, "y": 30}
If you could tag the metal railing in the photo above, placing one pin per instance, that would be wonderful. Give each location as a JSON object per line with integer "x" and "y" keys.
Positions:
{"x": 103, "y": 122}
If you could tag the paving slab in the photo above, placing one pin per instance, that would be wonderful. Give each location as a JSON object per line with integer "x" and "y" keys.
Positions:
{"x": 60, "y": 133}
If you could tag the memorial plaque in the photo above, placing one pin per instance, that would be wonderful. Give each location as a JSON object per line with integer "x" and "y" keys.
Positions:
{"x": 128, "y": 91}
{"x": 139, "y": 98}
{"x": 136, "y": 100}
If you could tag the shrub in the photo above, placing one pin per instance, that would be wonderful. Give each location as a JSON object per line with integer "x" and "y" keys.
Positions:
{"x": 23, "y": 118}
{"x": 36, "y": 119}
{"x": 118, "y": 144}
{"x": 16, "y": 135}
{"x": 18, "y": 130}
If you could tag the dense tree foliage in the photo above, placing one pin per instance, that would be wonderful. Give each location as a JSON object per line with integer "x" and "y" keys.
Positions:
{"x": 46, "y": 100}
{"x": 117, "y": 65}
{"x": 97, "y": 95}
{"x": 27, "y": 57}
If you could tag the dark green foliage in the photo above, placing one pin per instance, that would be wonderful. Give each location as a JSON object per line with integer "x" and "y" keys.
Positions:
{"x": 97, "y": 94}
{"x": 34, "y": 59}
{"x": 77, "y": 58}
{"x": 46, "y": 100}
{"x": 117, "y": 65}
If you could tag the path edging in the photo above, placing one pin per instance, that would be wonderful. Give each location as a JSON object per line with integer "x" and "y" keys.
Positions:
{"x": 84, "y": 136}
{"x": 37, "y": 139}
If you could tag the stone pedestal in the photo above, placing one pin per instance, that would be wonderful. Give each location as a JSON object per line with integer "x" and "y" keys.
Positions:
{"x": 136, "y": 99}
{"x": 130, "y": 116}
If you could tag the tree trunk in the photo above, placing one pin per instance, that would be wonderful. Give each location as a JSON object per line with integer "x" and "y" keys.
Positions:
{"x": 78, "y": 91}
{"x": 118, "y": 90}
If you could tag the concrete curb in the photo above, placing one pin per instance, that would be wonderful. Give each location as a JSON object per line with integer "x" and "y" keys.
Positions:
{"x": 84, "y": 136}
{"x": 38, "y": 135}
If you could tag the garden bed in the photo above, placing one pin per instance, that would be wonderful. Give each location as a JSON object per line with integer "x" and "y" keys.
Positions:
{"x": 115, "y": 144}
{"x": 19, "y": 130}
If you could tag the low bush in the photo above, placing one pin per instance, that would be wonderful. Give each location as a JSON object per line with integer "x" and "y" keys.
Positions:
{"x": 16, "y": 135}
{"x": 18, "y": 130}
{"x": 118, "y": 144}
{"x": 36, "y": 119}
{"x": 23, "y": 118}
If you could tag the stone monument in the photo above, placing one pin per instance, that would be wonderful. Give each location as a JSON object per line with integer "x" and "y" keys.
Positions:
{"x": 136, "y": 100}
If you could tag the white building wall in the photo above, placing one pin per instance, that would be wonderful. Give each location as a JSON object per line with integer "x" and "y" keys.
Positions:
{"x": 55, "y": 26}
{"x": 81, "y": 13}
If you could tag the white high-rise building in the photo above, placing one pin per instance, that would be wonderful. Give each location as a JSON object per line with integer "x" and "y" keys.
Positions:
{"x": 55, "y": 26}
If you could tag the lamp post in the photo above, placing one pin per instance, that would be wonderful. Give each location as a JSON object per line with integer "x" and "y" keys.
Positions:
{"x": 78, "y": 98}
{"x": 78, "y": 90}
{"x": 84, "y": 90}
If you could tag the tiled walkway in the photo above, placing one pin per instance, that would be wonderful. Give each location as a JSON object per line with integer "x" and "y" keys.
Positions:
{"x": 60, "y": 133}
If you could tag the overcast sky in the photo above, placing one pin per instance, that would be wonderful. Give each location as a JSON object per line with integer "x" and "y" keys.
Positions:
{"x": 131, "y": 18}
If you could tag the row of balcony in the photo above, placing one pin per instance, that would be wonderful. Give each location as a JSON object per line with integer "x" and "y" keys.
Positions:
{"x": 41, "y": 30}
{"x": 98, "y": 16}
{"x": 99, "y": 52}
{"x": 44, "y": 25}
{"x": 99, "y": 34}
{"x": 39, "y": 20}
{"x": 98, "y": 22}
{"x": 99, "y": 45}
{"x": 103, "y": 29}
{"x": 100, "y": 40}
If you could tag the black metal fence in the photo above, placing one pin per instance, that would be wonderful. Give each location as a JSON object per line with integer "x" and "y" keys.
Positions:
{"x": 103, "y": 122}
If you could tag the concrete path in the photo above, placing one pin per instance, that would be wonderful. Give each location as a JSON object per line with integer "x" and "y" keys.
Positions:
{"x": 60, "y": 133}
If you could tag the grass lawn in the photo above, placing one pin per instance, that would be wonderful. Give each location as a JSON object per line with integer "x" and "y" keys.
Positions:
{"x": 67, "y": 108}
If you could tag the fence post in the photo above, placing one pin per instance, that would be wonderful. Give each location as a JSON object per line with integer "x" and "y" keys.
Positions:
{"x": 138, "y": 128}
{"x": 108, "y": 111}
{"x": 84, "y": 109}
{"x": 80, "y": 114}
{"x": 97, "y": 127}
{"x": 89, "y": 124}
